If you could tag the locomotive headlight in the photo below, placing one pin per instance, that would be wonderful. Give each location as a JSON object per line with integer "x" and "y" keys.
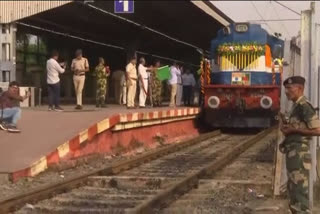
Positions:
{"x": 213, "y": 102}
{"x": 266, "y": 102}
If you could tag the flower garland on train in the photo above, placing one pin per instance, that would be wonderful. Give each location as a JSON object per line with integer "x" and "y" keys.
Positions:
{"x": 202, "y": 75}
{"x": 232, "y": 49}
{"x": 205, "y": 71}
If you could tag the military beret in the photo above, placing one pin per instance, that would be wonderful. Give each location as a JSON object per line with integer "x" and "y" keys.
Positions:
{"x": 294, "y": 80}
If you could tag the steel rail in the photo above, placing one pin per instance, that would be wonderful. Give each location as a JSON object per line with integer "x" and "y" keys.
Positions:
{"x": 17, "y": 201}
{"x": 191, "y": 181}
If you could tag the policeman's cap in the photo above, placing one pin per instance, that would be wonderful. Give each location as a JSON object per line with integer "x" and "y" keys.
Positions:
{"x": 294, "y": 80}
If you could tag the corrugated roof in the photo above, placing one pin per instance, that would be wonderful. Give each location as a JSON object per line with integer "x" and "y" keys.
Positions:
{"x": 11, "y": 11}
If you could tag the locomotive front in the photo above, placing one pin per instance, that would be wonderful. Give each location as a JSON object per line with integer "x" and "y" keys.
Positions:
{"x": 246, "y": 68}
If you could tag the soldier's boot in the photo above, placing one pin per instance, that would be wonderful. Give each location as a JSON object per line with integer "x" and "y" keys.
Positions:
{"x": 297, "y": 209}
{"x": 103, "y": 105}
{"x": 98, "y": 104}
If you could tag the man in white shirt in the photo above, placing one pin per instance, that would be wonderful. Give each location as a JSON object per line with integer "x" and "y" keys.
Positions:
{"x": 188, "y": 85}
{"x": 53, "y": 81}
{"x": 179, "y": 86}
{"x": 143, "y": 82}
{"x": 173, "y": 81}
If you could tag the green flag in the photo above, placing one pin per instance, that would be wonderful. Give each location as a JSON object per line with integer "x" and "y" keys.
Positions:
{"x": 164, "y": 73}
{"x": 199, "y": 71}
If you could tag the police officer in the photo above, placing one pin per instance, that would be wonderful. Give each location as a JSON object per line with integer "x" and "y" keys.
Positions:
{"x": 301, "y": 125}
{"x": 102, "y": 72}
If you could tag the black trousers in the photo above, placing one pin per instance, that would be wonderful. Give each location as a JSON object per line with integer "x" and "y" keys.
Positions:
{"x": 54, "y": 94}
{"x": 187, "y": 95}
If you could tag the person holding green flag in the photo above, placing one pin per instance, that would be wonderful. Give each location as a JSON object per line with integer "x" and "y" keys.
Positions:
{"x": 173, "y": 81}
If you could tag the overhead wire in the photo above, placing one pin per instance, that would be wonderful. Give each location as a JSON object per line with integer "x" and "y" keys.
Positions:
{"x": 283, "y": 25}
{"x": 256, "y": 9}
{"x": 287, "y": 8}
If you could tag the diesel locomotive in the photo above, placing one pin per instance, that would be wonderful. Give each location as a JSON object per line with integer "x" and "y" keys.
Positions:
{"x": 243, "y": 82}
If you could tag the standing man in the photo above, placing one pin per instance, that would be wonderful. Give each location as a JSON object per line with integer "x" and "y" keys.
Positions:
{"x": 123, "y": 92}
{"x": 143, "y": 82}
{"x": 79, "y": 66}
{"x": 118, "y": 78}
{"x": 188, "y": 85}
{"x": 303, "y": 123}
{"x": 179, "y": 86}
{"x": 131, "y": 76}
{"x": 173, "y": 81}
{"x": 53, "y": 81}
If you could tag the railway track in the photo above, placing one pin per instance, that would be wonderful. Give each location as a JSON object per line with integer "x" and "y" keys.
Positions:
{"x": 140, "y": 185}
{"x": 243, "y": 186}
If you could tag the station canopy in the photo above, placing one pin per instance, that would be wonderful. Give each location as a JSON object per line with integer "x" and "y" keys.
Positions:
{"x": 173, "y": 29}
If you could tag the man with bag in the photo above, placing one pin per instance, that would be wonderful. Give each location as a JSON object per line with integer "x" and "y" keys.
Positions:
{"x": 301, "y": 125}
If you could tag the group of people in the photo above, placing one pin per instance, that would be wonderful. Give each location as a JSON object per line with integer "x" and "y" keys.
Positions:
{"x": 303, "y": 122}
{"x": 181, "y": 84}
{"x": 79, "y": 67}
{"x": 125, "y": 82}
{"x": 150, "y": 86}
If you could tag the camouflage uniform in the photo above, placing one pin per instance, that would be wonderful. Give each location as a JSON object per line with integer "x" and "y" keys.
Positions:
{"x": 156, "y": 86}
{"x": 298, "y": 158}
{"x": 101, "y": 76}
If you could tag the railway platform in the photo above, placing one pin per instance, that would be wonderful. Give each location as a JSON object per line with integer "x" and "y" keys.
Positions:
{"x": 48, "y": 138}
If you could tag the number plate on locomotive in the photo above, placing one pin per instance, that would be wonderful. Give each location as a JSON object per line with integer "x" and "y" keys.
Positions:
{"x": 240, "y": 78}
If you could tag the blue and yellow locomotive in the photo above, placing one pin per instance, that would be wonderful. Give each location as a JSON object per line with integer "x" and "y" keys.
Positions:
{"x": 243, "y": 87}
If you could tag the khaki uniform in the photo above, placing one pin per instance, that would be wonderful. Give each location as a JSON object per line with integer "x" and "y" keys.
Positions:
{"x": 131, "y": 84}
{"x": 120, "y": 88}
{"x": 298, "y": 158}
{"x": 79, "y": 78}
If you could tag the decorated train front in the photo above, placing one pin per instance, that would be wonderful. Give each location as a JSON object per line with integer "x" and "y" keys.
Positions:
{"x": 241, "y": 81}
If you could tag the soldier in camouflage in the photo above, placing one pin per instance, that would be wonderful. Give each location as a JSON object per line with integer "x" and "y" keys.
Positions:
{"x": 302, "y": 124}
{"x": 156, "y": 85}
{"x": 102, "y": 72}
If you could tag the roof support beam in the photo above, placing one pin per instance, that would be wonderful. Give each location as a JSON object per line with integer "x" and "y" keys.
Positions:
{"x": 210, "y": 12}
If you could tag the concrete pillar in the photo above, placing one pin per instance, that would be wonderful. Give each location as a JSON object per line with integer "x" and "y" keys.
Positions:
{"x": 309, "y": 69}
{"x": 7, "y": 52}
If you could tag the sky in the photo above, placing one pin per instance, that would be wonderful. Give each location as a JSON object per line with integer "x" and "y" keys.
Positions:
{"x": 243, "y": 11}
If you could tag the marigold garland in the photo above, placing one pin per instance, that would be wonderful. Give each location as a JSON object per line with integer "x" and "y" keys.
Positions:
{"x": 208, "y": 71}
{"x": 202, "y": 75}
{"x": 228, "y": 49}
